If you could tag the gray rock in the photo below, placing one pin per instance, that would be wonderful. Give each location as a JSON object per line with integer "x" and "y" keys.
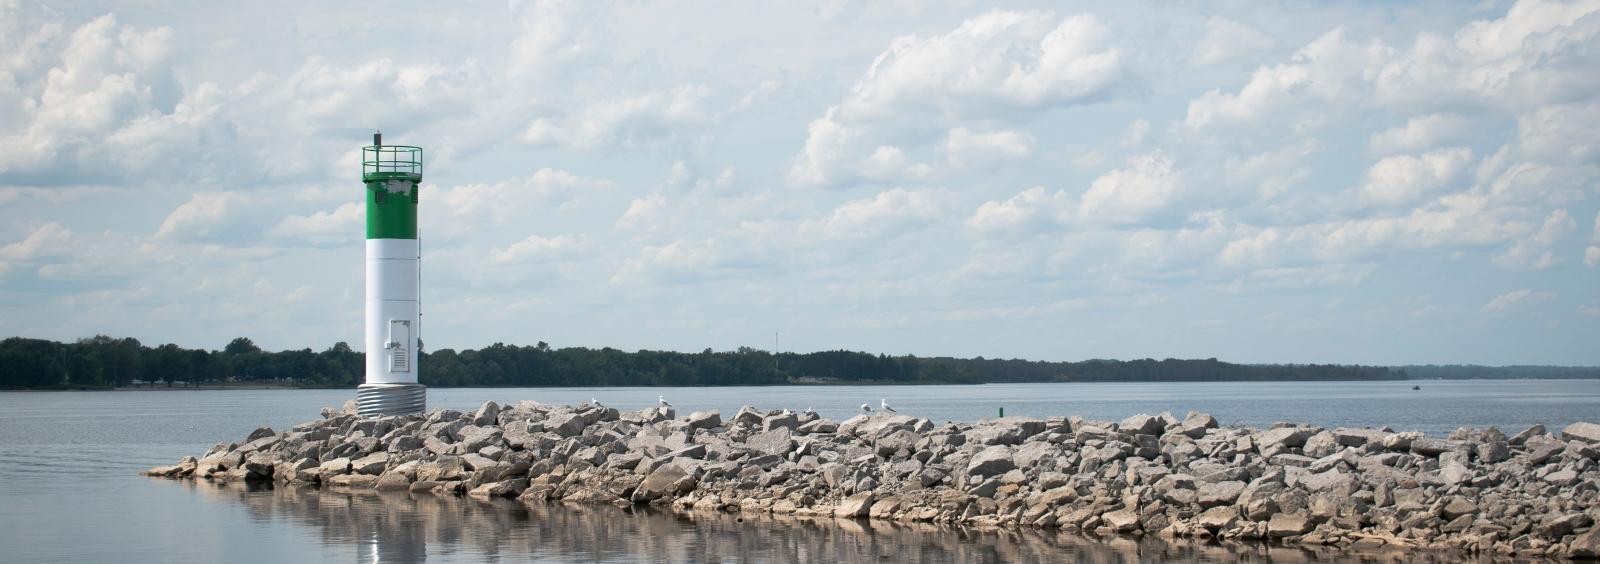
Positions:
{"x": 1121, "y": 521}
{"x": 1322, "y": 444}
{"x": 991, "y": 461}
{"x": 488, "y": 414}
{"x": 666, "y": 479}
{"x": 260, "y": 433}
{"x": 1581, "y": 431}
{"x": 1143, "y": 424}
{"x": 778, "y": 441}
{"x": 786, "y": 420}
{"x": 1348, "y": 437}
{"x": 896, "y": 441}
{"x": 565, "y": 424}
{"x": 1220, "y": 493}
{"x": 1490, "y": 453}
{"x": 1518, "y": 439}
{"x": 818, "y": 426}
{"x": 373, "y": 464}
{"x": 1287, "y": 525}
{"x": 1559, "y": 525}
{"x": 1285, "y": 436}
{"x": 1219, "y": 517}
{"x": 705, "y": 419}
{"x": 747, "y": 416}
{"x": 858, "y": 505}
{"x": 1435, "y": 447}
{"x": 1198, "y": 420}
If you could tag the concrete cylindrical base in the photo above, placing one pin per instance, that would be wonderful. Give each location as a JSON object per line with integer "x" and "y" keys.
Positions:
{"x": 373, "y": 400}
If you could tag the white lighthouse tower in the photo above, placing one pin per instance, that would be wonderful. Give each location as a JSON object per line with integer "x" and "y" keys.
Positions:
{"x": 392, "y": 174}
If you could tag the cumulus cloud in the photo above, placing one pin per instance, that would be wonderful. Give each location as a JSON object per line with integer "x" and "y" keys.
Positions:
{"x": 339, "y": 226}
{"x": 890, "y": 211}
{"x": 536, "y": 249}
{"x": 965, "y": 147}
{"x": 460, "y": 209}
{"x": 1029, "y": 210}
{"x": 1510, "y": 301}
{"x": 1591, "y": 254}
{"x": 625, "y": 121}
{"x": 1419, "y": 134}
{"x": 1133, "y": 193}
{"x": 996, "y": 65}
{"x": 1404, "y": 179}
{"x": 1226, "y": 40}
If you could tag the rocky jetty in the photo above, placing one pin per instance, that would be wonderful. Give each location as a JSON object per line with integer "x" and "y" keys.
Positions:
{"x": 1535, "y": 493}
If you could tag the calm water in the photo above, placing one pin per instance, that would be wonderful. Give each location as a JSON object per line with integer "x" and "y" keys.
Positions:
{"x": 69, "y": 489}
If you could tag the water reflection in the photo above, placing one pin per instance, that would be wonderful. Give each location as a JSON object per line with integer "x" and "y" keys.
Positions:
{"x": 398, "y": 527}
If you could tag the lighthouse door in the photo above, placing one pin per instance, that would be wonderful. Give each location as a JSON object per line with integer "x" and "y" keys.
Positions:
{"x": 399, "y": 342}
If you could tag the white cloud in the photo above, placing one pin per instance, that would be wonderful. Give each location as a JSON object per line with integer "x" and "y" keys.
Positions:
{"x": 1225, "y": 40}
{"x": 1137, "y": 131}
{"x": 1533, "y": 251}
{"x": 965, "y": 147}
{"x": 1509, "y": 301}
{"x": 888, "y": 212}
{"x": 1330, "y": 68}
{"x": 340, "y": 226}
{"x": 998, "y": 65}
{"x": 213, "y": 216}
{"x": 991, "y": 63}
{"x": 1591, "y": 254}
{"x": 625, "y": 122}
{"x": 536, "y": 249}
{"x": 1420, "y": 133}
{"x": 1404, "y": 179}
{"x": 1131, "y": 194}
{"x": 1029, "y": 210}
{"x": 461, "y": 209}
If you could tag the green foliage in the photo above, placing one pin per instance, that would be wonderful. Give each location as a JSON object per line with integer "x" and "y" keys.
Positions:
{"x": 102, "y": 361}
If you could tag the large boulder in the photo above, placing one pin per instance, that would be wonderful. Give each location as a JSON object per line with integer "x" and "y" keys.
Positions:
{"x": 1581, "y": 431}
{"x": 991, "y": 461}
{"x": 663, "y": 481}
{"x": 1005, "y": 431}
{"x": 565, "y": 424}
{"x": 1284, "y": 436}
{"x": 1143, "y": 424}
{"x": 858, "y": 505}
{"x": 1196, "y": 424}
{"x": 705, "y": 419}
{"x": 779, "y": 441}
{"x": 486, "y": 415}
{"x": 1287, "y": 525}
{"x": 1220, "y": 493}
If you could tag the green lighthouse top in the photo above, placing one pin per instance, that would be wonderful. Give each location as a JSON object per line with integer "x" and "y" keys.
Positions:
{"x": 388, "y": 162}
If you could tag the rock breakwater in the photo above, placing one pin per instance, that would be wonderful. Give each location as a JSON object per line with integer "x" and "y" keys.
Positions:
{"x": 1535, "y": 493}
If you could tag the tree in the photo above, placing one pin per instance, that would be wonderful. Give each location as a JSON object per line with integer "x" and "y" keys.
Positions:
{"x": 241, "y": 345}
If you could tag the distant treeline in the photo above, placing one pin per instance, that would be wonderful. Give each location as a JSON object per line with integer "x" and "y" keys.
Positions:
{"x": 1470, "y": 372}
{"x": 105, "y": 362}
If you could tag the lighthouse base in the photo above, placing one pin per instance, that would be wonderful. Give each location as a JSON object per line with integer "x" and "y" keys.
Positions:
{"x": 373, "y": 400}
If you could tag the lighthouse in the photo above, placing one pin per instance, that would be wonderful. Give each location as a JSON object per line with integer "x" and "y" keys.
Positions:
{"x": 392, "y": 174}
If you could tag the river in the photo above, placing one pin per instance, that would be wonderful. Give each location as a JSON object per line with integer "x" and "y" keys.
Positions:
{"x": 70, "y": 489}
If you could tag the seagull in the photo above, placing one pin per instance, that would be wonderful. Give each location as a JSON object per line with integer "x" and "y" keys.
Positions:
{"x": 595, "y": 402}
{"x": 884, "y": 405}
{"x": 866, "y": 408}
{"x": 810, "y": 411}
{"x": 663, "y": 401}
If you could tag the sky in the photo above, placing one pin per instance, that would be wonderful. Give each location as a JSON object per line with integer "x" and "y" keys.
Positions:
{"x": 1356, "y": 182}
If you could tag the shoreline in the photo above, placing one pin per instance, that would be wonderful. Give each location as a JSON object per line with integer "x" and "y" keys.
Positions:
{"x": 1476, "y": 491}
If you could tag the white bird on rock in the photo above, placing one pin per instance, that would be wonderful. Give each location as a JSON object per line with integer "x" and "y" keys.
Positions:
{"x": 595, "y": 402}
{"x": 810, "y": 411}
{"x": 866, "y": 408}
{"x": 663, "y": 401}
{"x": 884, "y": 405}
